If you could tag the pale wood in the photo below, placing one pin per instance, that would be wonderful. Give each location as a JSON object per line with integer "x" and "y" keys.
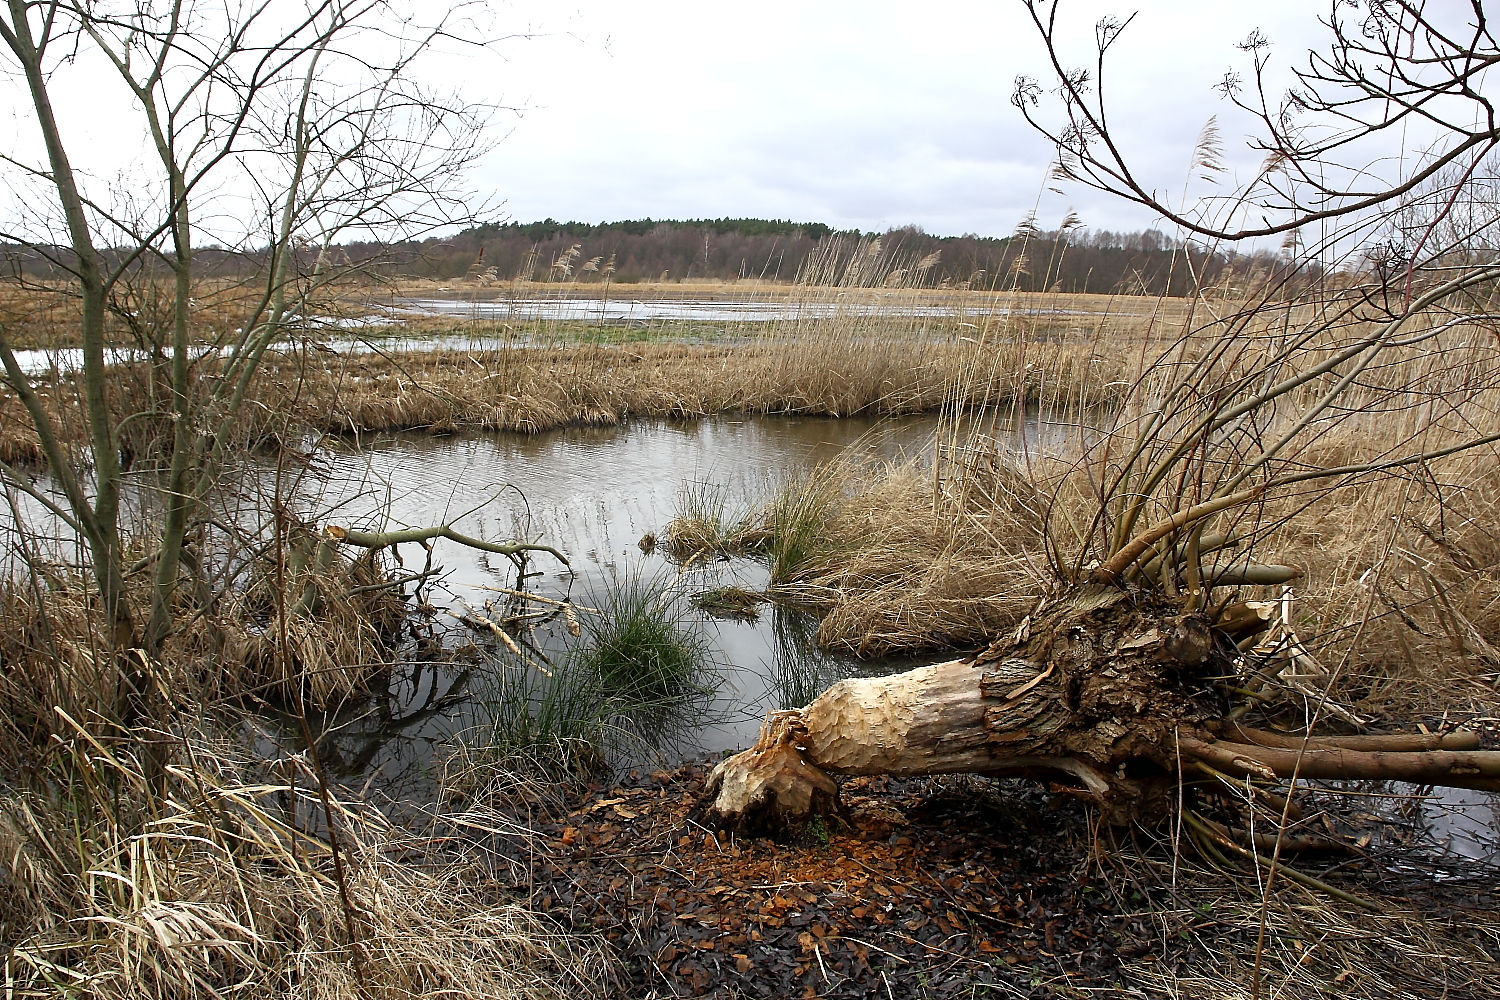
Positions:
{"x": 1010, "y": 716}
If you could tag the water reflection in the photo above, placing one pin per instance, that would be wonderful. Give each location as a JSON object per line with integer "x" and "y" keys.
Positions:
{"x": 1463, "y": 823}
{"x": 593, "y": 493}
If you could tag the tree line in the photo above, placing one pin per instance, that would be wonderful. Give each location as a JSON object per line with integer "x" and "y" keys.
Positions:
{"x": 1069, "y": 259}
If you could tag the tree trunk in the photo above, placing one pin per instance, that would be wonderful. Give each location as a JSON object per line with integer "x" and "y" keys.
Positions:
{"x": 1110, "y": 695}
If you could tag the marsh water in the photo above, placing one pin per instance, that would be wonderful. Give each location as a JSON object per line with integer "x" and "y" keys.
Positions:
{"x": 381, "y": 330}
{"x": 592, "y": 493}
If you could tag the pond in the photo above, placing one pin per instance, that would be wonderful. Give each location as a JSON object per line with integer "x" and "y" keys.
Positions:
{"x": 593, "y": 493}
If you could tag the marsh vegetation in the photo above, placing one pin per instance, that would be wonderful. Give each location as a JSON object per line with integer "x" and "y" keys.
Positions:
{"x": 1103, "y": 473}
{"x": 945, "y": 548}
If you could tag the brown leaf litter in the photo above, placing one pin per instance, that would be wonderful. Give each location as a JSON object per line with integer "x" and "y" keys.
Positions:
{"x": 917, "y": 895}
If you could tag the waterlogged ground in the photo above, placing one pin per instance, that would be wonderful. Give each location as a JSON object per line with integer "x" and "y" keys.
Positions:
{"x": 593, "y": 493}
{"x": 485, "y": 321}
{"x": 624, "y": 308}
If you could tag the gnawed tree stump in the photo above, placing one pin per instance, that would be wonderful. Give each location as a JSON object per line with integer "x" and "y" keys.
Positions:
{"x": 1110, "y": 695}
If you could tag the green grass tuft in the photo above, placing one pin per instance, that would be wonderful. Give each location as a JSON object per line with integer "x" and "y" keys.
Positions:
{"x": 640, "y": 652}
{"x": 636, "y": 667}
{"x": 794, "y": 526}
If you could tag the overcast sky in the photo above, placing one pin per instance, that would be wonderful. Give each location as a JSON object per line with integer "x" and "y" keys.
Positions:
{"x": 860, "y": 114}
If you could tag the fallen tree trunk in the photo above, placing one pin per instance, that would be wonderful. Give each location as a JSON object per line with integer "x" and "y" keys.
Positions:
{"x": 1110, "y": 695}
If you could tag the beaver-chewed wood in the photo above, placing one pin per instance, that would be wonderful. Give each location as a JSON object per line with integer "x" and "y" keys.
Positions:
{"x": 1106, "y": 695}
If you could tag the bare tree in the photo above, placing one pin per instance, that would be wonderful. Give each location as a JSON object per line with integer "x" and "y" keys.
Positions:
{"x": 1387, "y": 66}
{"x": 274, "y": 132}
{"x": 1145, "y": 649}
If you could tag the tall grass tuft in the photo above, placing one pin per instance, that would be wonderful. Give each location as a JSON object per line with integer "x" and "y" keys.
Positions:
{"x": 544, "y": 724}
{"x": 640, "y": 653}
{"x": 794, "y": 528}
{"x": 703, "y": 525}
{"x": 636, "y": 667}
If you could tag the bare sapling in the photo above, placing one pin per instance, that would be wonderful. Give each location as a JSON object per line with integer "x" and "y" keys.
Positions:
{"x": 272, "y": 136}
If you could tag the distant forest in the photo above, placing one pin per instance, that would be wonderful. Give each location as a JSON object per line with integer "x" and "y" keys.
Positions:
{"x": 1076, "y": 260}
{"x": 1071, "y": 260}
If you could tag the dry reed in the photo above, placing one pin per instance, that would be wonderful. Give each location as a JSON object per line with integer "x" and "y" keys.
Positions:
{"x": 835, "y": 351}
{"x": 1399, "y": 598}
{"x": 59, "y": 657}
{"x": 1399, "y": 590}
{"x": 898, "y": 561}
{"x": 226, "y": 888}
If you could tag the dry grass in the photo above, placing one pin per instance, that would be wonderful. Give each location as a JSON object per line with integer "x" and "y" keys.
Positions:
{"x": 536, "y": 389}
{"x": 59, "y": 658}
{"x": 899, "y": 559}
{"x": 1313, "y": 946}
{"x": 1400, "y": 597}
{"x": 222, "y": 886}
{"x": 839, "y": 351}
{"x": 1401, "y": 588}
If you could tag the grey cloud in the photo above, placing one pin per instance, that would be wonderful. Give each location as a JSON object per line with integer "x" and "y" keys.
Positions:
{"x": 846, "y": 113}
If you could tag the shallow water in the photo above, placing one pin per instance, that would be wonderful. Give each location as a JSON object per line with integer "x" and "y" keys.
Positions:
{"x": 624, "y": 309}
{"x": 349, "y": 333}
{"x": 1462, "y": 823}
{"x": 592, "y": 493}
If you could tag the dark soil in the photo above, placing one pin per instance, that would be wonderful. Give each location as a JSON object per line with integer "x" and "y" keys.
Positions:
{"x": 954, "y": 887}
{"x": 933, "y": 888}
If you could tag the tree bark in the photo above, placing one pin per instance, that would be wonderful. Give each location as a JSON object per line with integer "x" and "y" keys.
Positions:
{"x": 1109, "y": 695}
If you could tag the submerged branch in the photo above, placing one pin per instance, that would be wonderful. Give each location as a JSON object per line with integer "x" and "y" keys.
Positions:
{"x": 382, "y": 539}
